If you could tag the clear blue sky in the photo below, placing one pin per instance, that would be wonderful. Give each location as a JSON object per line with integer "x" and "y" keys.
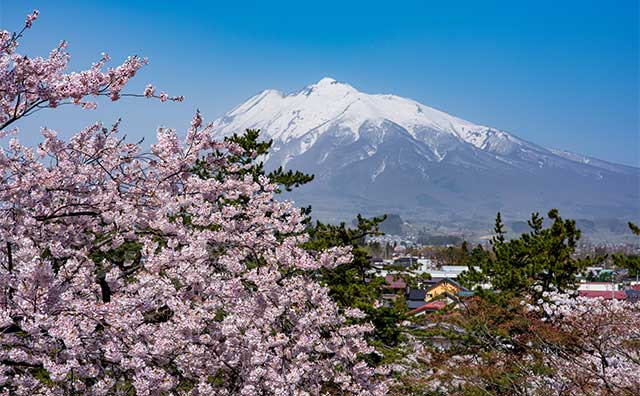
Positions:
{"x": 562, "y": 74}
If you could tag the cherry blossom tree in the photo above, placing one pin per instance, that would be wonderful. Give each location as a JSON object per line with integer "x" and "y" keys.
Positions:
{"x": 164, "y": 272}
{"x": 568, "y": 346}
{"x": 29, "y": 84}
{"x": 604, "y": 358}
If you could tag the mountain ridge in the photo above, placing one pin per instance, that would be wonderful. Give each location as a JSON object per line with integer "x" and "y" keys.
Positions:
{"x": 360, "y": 146}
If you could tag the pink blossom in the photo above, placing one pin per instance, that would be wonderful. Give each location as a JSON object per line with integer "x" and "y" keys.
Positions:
{"x": 30, "y": 84}
{"x": 31, "y": 18}
{"x": 196, "y": 122}
{"x": 122, "y": 269}
{"x": 149, "y": 91}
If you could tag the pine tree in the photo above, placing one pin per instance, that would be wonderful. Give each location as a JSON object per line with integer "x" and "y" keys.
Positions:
{"x": 630, "y": 262}
{"x": 539, "y": 261}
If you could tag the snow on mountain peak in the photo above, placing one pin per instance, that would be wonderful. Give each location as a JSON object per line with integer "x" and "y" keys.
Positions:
{"x": 326, "y": 81}
{"x": 329, "y": 103}
{"x": 370, "y": 152}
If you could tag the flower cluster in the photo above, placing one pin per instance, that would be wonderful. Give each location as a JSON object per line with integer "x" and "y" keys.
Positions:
{"x": 169, "y": 272}
{"x": 29, "y": 84}
{"x": 606, "y": 334}
{"x": 566, "y": 346}
{"x": 122, "y": 270}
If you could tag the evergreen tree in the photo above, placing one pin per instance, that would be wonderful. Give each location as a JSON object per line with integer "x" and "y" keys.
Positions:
{"x": 352, "y": 285}
{"x": 249, "y": 162}
{"x": 539, "y": 261}
{"x": 630, "y": 262}
{"x": 634, "y": 228}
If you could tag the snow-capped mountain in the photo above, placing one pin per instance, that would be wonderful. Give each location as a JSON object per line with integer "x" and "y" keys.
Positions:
{"x": 385, "y": 153}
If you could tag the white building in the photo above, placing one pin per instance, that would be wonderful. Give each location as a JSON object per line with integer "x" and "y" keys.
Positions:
{"x": 598, "y": 286}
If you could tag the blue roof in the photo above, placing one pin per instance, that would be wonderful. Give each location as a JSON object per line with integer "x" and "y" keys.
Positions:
{"x": 632, "y": 295}
{"x": 415, "y": 294}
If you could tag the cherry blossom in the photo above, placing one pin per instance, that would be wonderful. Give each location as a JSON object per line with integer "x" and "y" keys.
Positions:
{"x": 129, "y": 272}
{"x": 567, "y": 346}
{"x": 31, "y": 84}
{"x": 607, "y": 335}
{"x": 211, "y": 293}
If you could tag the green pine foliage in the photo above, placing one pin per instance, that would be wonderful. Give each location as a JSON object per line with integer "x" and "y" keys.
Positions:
{"x": 255, "y": 149}
{"x": 250, "y": 162}
{"x": 634, "y": 228}
{"x": 352, "y": 285}
{"x": 630, "y": 262}
{"x": 540, "y": 261}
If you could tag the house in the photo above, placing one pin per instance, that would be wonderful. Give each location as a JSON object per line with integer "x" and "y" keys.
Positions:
{"x": 607, "y": 295}
{"x": 416, "y": 298}
{"x": 633, "y": 295}
{"x": 395, "y": 285}
{"x": 592, "y": 272}
{"x": 431, "y": 306}
{"x": 449, "y": 271}
{"x": 455, "y": 269}
{"x": 376, "y": 262}
{"x": 597, "y": 286}
{"x": 446, "y": 285}
{"x": 405, "y": 262}
{"x": 466, "y": 293}
{"x": 413, "y": 304}
{"x": 438, "y": 295}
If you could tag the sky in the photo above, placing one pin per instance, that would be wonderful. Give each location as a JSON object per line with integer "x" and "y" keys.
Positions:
{"x": 562, "y": 74}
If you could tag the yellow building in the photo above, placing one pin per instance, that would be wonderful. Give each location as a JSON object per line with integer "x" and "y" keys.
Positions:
{"x": 444, "y": 286}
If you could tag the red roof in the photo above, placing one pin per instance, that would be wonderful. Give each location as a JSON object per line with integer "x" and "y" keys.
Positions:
{"x": 618, "y": 294}
{"x": 430, "y": 307}
{"x": 395, "y": 283}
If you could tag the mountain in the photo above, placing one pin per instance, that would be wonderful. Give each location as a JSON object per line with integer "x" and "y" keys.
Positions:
{"x": 387, "y": 154}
